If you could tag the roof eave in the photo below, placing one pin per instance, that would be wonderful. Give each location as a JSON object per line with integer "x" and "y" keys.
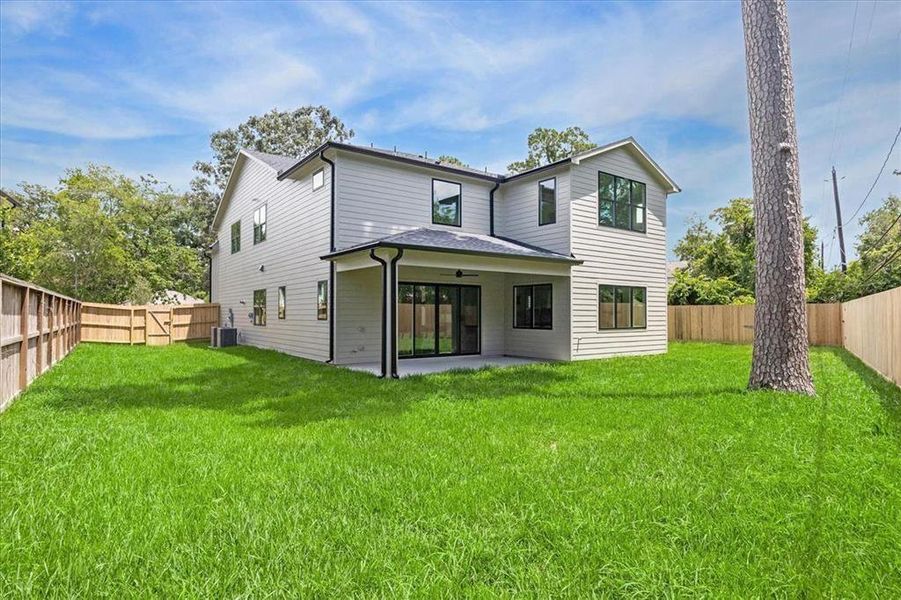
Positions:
{"x": 382, "y": 244}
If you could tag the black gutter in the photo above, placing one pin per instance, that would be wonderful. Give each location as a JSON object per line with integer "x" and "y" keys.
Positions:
{"x": 384, "y": 264}
{"x": 331, "y": 270}
{"x": 377, "y": 244}
{"x": 400, "y": 253}
{"x": 491, "y": 207}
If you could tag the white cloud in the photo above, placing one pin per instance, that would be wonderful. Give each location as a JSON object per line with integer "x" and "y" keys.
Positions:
{"x": 19, "y": 18}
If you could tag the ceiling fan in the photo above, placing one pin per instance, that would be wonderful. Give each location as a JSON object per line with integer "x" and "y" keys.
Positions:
{"x": 458, "y": 274}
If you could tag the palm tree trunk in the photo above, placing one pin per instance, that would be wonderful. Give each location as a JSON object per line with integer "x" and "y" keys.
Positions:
{"x": 780, "y": 335}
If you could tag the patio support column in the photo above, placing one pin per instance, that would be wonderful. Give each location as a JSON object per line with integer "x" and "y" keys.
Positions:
{"x": 393, "y": 312}
{"x": 386, "y": 323}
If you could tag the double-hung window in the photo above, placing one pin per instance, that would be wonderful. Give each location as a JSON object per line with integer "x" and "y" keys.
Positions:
{"x": 622, "y": 307}
{"x": 533, "y": 306}
{"x": 236, "y": 237}
{"x": 259, "y": 225}
{"x": 446, "y": 201}
{"x": 322, "y": 300}
{"x": 547, "y": 201}
{"x": 622, "y": 203}
{"x": 259, "y": 307}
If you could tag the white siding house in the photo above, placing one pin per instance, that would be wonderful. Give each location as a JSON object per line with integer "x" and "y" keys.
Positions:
{"x": 426, "y": 260}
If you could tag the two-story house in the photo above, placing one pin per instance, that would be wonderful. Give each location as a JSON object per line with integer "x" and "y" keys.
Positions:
{"x": 355, "y": 255}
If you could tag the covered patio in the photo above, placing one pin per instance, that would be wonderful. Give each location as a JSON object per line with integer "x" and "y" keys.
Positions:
{"x": 440, "y": 364}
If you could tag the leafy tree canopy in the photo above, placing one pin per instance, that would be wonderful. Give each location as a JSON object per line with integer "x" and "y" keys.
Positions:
{"x": 447, "y": 159}
{"x": 547, "y": 145}
{"x": 102, "y": 237}
{"x": 720, "y": 254}
{"x": 289, "y": 133}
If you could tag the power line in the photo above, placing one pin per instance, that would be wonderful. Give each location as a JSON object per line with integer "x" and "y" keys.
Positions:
{"x": 886, "y": 232}
{"x": 878, "y": 175}
{"x": 841, "y": 95}
{"x": 885, "y": 262}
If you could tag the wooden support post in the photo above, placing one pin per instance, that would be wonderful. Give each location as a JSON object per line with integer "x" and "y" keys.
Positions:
{"x": 39, "y": 348}
{"x": 23, "y": 346}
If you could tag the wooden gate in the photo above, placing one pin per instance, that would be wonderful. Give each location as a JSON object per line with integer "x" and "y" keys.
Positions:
{"x": 159, "y": 326}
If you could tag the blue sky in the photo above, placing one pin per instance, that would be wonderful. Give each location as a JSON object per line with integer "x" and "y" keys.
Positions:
{"x": 140, "y": 86}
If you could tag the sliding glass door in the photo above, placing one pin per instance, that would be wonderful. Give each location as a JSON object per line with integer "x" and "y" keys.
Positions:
{"x": 438, "y": 320}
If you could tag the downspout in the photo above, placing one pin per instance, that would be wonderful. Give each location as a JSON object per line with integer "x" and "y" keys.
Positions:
{"x": 331, "y": 268}
{"x": 400, "y": 253}
{"x": 491, "y": 207}
{"x": 209, "y": 275}
{"x": 384, "y": 264}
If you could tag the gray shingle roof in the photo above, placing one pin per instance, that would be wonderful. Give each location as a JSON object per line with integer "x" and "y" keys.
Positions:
{"x": 439, "y": 240}
{"x": 276, "y": 161}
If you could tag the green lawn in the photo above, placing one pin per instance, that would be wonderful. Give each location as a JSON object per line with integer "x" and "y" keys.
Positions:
{"x": 185, "y": 471}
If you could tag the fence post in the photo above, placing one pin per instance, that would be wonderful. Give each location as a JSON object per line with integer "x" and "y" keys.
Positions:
{"x": 131, "y": 326}
{"x": 23, "y": 346}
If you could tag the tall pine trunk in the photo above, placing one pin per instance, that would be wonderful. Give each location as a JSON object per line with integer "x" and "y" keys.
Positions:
{"x": 780, "y": 334}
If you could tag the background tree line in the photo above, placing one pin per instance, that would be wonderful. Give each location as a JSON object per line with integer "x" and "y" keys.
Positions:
{"x": 720, "y": 255}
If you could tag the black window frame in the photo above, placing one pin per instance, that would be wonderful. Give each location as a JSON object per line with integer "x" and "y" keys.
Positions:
{"x": 531, "y": 287}
{"x": 630, "y": 205}
{"x": 282, "y": 301}
{"x": 616, "y": 326}
{"x": 459, "y": 219}
{"x": 313, "y": 178}
{"x": 236, "y": 239}
{"x": 259, "y": 310}
{"x": 260, "y": 229}
{"x": 541, "y": 200}
{"x": 321, "y": 305}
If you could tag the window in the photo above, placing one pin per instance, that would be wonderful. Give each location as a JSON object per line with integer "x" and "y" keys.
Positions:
{"x": 259, "y": 307}
{"x": 259, "y": 225}
{"x": 446, "y": 202}
{"x": 621, "y": 202}
{"x": 281, "y": 302}
{"x": 322, "y": 300}
{"x": 236, "y": 237}
{"x": 547, "y": 201}
{"x": 318, "y": 179}
{"x": 622, "y": 307}
{"x": 533, "y": 306}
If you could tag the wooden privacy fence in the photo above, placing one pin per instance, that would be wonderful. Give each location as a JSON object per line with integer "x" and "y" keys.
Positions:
{"x": 154, "y": 325}
{"x": 37, "y": 329}
{"x": 869, "y": 327}
{"x": 736, "y": 324}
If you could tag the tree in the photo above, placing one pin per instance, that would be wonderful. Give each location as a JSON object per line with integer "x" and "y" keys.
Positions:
{"x": 877, "y": 247}
{"x": 447, "y": 159}
{"x": 289, "y": 133}
{"x": 723, "y": 248}
{"x": 548, "y": 145}
{"x": 780, "y": 357}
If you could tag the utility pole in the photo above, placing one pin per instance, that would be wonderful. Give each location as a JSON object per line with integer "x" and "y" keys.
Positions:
{"x": 838, "y": 216}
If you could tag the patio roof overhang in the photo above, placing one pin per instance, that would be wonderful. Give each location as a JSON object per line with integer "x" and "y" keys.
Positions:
{"x": 438, "y": 248}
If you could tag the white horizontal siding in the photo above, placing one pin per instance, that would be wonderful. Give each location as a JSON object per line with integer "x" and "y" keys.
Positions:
{"x": 297, "y": 235}
{"x": 358, "y": 329}
{"x": 516, "y": 211}
{"x": 378, "y": 198}
{"x": 615, "y": 256}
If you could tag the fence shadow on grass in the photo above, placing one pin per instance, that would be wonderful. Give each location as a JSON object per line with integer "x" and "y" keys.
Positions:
{"x": 273, "y": 389}
{"x": 888, "y": 393}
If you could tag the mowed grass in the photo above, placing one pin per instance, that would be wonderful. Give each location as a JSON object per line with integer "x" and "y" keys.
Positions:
{"x": 186, "y": 471}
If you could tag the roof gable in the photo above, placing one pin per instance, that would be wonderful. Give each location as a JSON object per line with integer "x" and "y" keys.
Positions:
{"x": 638, "y": 152}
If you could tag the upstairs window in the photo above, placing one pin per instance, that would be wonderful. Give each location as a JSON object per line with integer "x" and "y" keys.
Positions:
{"x": 621, "y": 202}
{"x": 622, "y": 307}
{"x": 282, "y": 300}
{"x": 446, "y": 197}
{"x": 533, "y": 306}
{"x": 318, "y": 179}
{"x": 259, "y": 225}
{"x": 547, "y": 201}
{"x": 322, "y": 300}
{"x": 236, "y": 237}
{"x": 259, "y": 307}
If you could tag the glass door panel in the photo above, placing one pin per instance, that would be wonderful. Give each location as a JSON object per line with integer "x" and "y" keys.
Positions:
{"x": 424, "y": 326}
{"x": 448, "y": 308}
{"x": 469, "y": 320}
{"x": 405, "y": 320}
